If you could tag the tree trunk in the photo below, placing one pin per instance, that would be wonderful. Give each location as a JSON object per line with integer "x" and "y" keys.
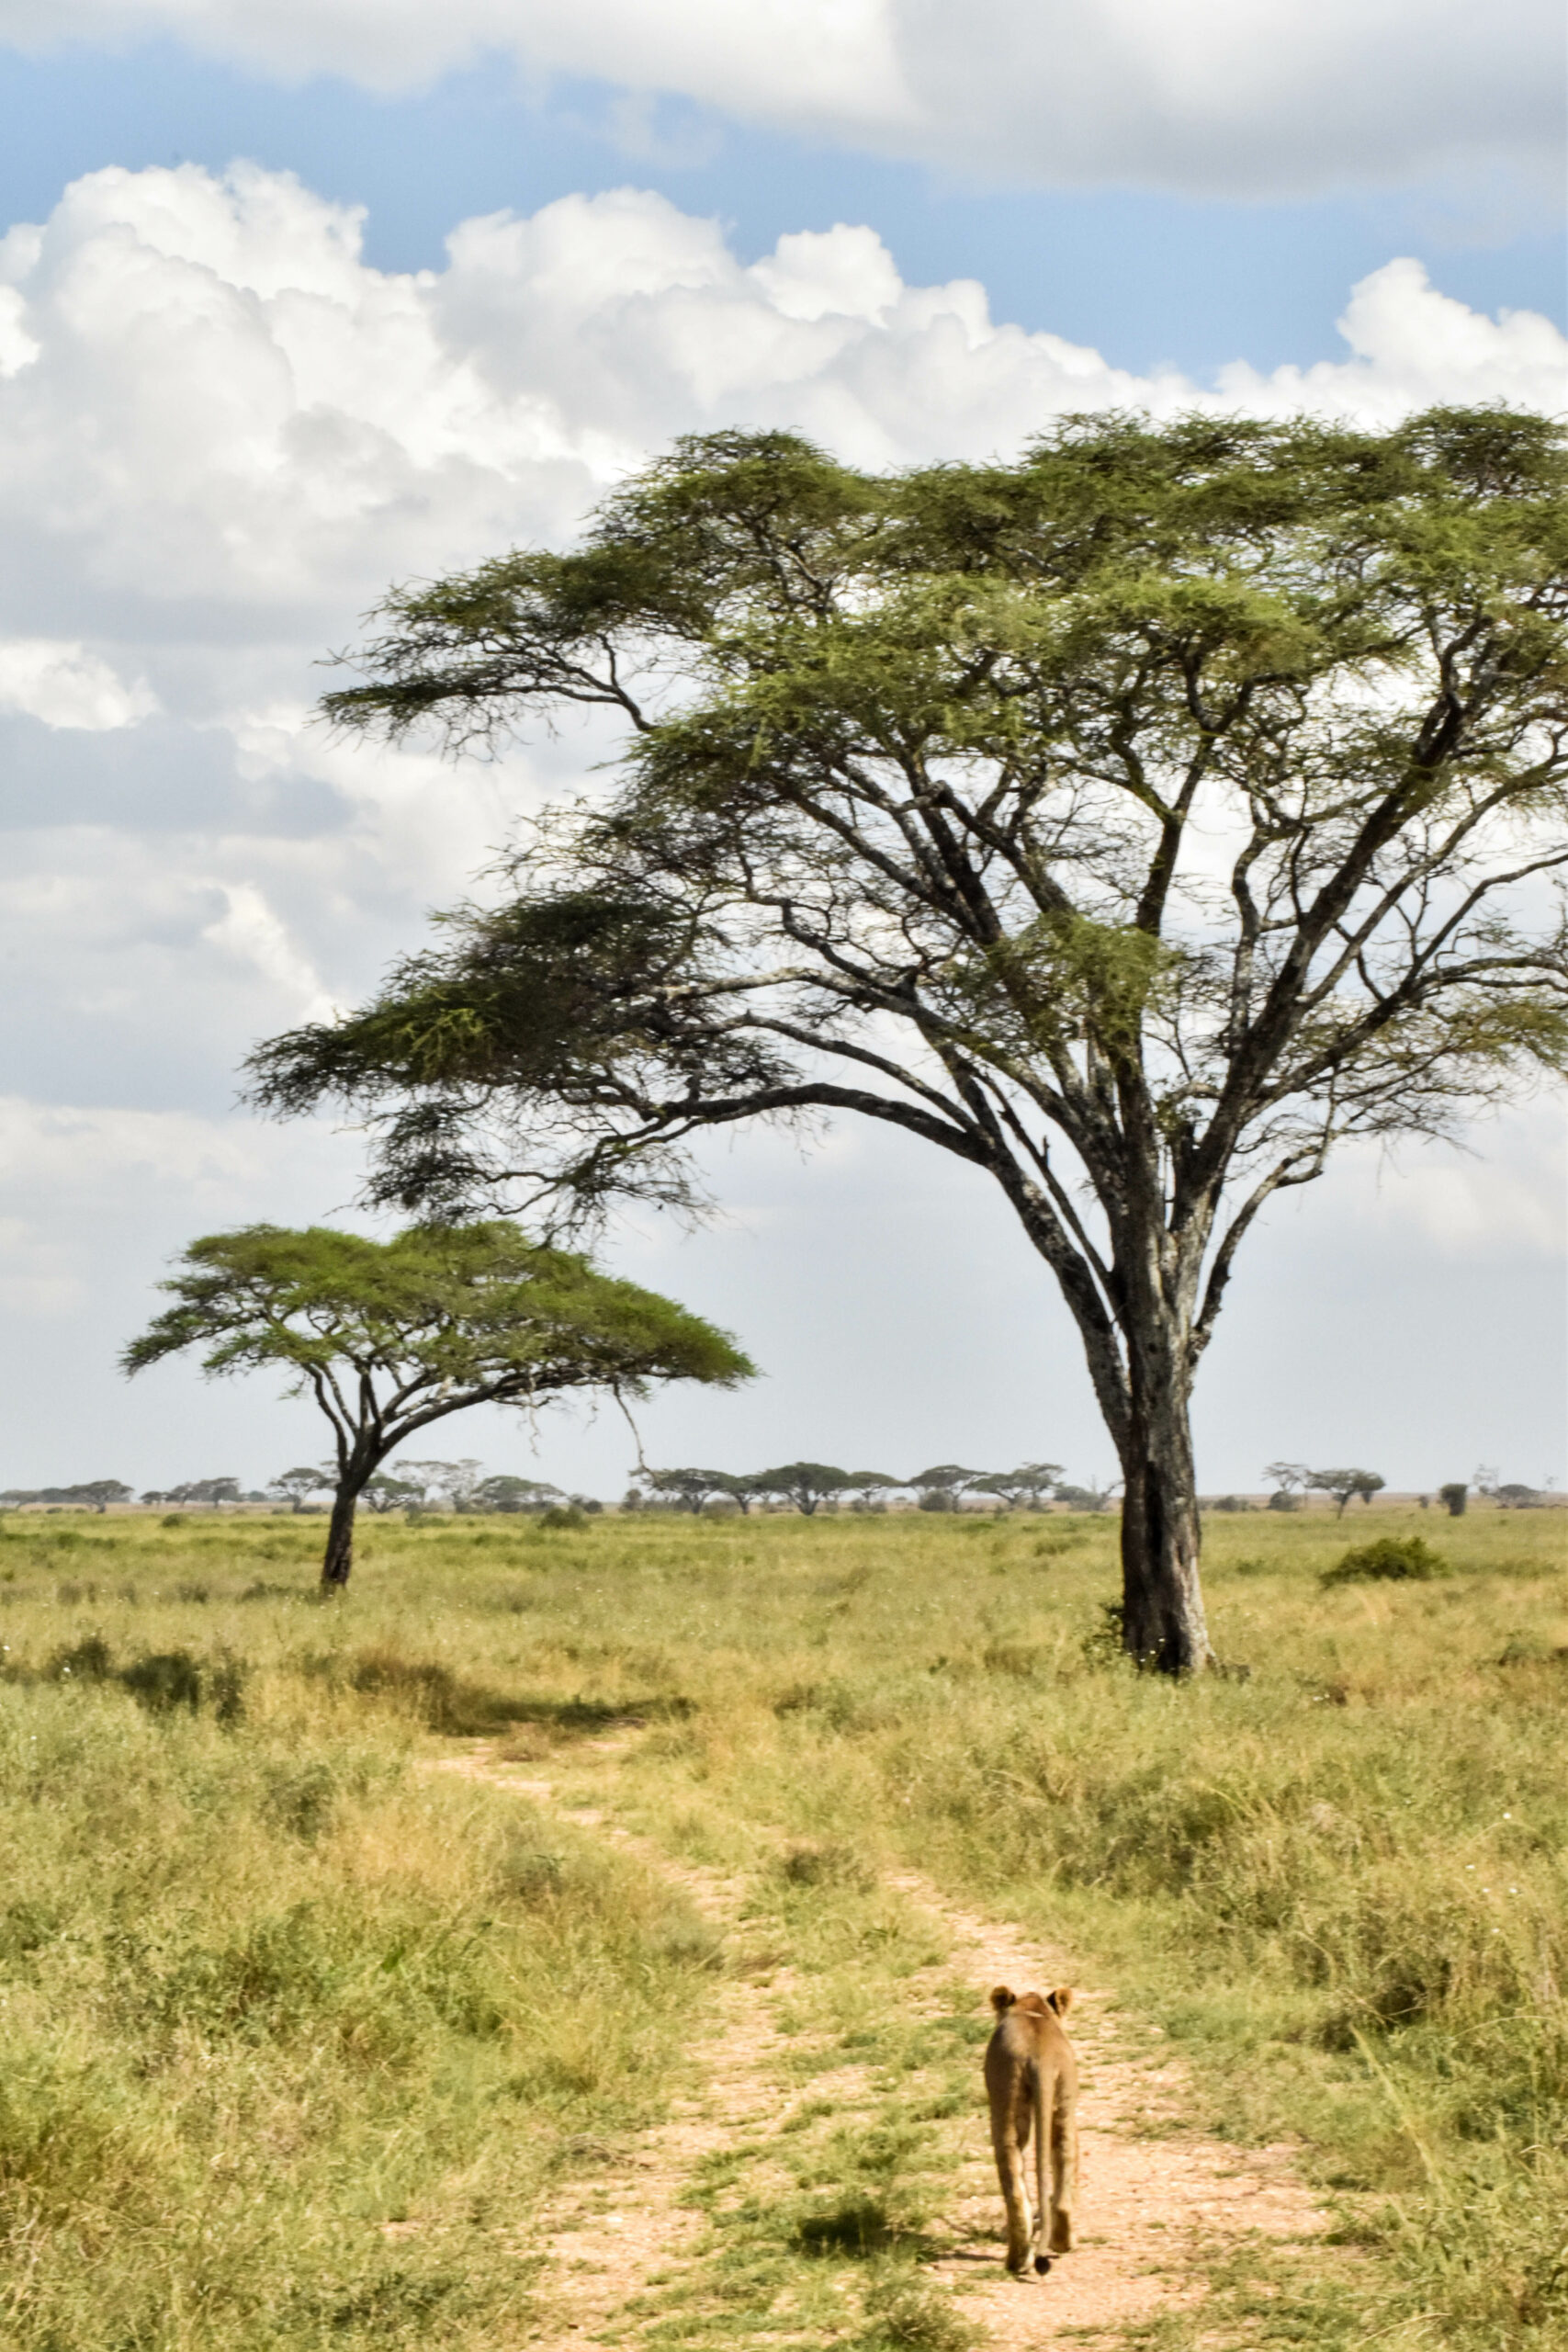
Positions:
{"x": 1162, "y": 1600}
{"x": 339, "y": 1557}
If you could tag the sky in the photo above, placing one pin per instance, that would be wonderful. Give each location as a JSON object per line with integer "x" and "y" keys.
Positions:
{"x": 297, "y": 301}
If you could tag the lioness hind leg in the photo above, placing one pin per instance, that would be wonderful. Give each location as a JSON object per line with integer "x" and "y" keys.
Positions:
{"x": 1015, "y": 2197}
{"x": 1064, "y": 2171}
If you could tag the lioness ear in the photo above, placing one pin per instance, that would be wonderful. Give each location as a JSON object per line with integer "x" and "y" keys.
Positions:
{"x": 1060, "y": 2000}
{"x": 1002, "y": 2000}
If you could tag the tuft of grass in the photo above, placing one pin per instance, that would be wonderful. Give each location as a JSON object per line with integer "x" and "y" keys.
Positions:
{"x": 903, "y": 2312}
{"x": 857, "y": 2223}
{"x": 819, "y": 1863}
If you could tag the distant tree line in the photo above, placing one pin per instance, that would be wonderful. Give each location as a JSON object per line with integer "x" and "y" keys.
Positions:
{"x": 96, "y": 1494}
{"x": 465, "y": 1486}
{"x": 1292, "y": 1482}
{"x": 415, "y": 1487}
{"x": 807, "y": 1486}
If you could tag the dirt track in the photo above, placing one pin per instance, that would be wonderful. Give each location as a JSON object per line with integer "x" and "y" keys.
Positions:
{"x": 1151, "y": 2192}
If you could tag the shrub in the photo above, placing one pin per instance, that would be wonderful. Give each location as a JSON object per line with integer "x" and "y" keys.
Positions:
{"x": 1394, "y": 1557}
{"x": 1453, "y": 1498}
{"x": 904, "y": 2312}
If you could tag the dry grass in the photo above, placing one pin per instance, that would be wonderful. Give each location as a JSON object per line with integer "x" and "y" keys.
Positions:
{"x": 266, "y": 1992}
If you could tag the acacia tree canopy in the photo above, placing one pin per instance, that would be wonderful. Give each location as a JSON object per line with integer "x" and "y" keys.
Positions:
{"x": 1345, "y": 1484}
{"x": 1131, "y": 822}
{"x": 293, "y": 1486}
{"x": 1029, "y": 1484}
{"x": 691, "y": 1487}
{"x": 510, "y": 1493}
{"x": 390, "y": 1336}
{"x": 867, "y": 1484}
{"x": 805, "y": 1484}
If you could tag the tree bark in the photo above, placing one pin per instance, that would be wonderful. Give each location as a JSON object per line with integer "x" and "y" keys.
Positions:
{"x": 1163, "y": 1625}
{"x": 339, "y": 1557}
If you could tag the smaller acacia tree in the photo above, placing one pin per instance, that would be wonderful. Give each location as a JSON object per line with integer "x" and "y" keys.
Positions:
{"x": 454, "y": 1483}
{"x": 867, "y": 1486}
{"x": 805, "y": 1484}
{"x": 1288, "y": 1480}
{"x": 1345, "y": 1484}
{"x": 390, "y": 1336}
{"x": 1029, "y": 1485}
{"x": 943, "y": 1484}
{"x": 294, "y": 1486}
{"x": 689, "y": 1490}
{"x": 508, "y": 1493}
{"x": 383, "y": 1494}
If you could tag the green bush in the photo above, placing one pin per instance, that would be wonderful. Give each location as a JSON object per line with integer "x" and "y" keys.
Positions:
{"x": 1393, "y": 1558}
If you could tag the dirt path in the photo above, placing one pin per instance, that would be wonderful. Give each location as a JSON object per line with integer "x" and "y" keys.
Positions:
{"x": 1156, "y": 2198}
{"x": 1150, "y": 2192}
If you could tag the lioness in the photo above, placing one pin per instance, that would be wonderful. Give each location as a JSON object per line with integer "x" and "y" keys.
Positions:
{"x": 1031, "y": 2078}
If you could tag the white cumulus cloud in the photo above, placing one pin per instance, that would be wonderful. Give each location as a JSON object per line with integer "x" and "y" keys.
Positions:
{"x": 1240, "y": 97}
{"x": 227, "y": 433}
{"x": 225, "y": 403}
{"x": 223, "y": 433}
{"x": 65, "y": 685}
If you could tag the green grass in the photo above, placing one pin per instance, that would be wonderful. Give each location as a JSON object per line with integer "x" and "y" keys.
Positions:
{"x": 293, "y": 2035}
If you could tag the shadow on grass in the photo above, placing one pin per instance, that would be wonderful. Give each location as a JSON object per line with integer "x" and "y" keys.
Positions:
{"x": 159, "y": 1681}
{"x": 461, "y": 1707}
{"x": 863, "y": 2225}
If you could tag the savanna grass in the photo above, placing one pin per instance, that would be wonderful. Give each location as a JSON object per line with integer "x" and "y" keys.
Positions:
{"x": 1340, "y": 1883}
{"x": 293, "y": 2033}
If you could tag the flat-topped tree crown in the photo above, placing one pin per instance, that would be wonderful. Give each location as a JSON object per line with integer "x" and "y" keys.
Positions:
{"x": 946, "y": 1477}
{"x": 1130, "y": 822}
{"x": 690, "y": 1487}
{"x": 1028, "y": 1484}
{"x": 867, "y": 1483}
{"x": 805, "y": 1484}
{"x": 390, "y": 1336}
{"x": 1345, "y": 1485}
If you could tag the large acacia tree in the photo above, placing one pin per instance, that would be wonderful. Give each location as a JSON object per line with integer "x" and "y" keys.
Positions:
{"x": 1130, "y": 822}
{"x": 389, "y": 1337}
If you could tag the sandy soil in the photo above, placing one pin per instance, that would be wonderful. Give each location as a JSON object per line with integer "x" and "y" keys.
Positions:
{"x": 1148, "y": 2189}
{"x": 1151, "y": 2192}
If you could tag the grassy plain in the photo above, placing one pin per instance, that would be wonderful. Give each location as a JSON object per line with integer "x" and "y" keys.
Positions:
{"x": 294, "y": 2036}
